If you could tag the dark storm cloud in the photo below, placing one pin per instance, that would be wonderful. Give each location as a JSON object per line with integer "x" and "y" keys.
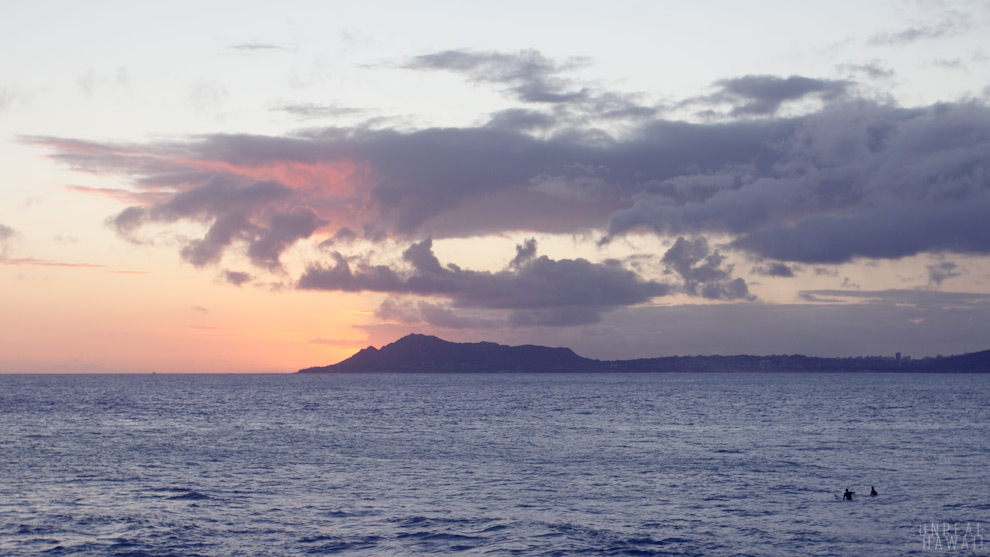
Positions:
{"x": 536, "y": 290}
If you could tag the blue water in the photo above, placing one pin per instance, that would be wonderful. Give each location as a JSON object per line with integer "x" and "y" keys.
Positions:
{"x": 650, "y": 464}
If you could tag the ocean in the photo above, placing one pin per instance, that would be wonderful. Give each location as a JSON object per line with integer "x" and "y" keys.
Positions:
{"x": 493, "y": 464}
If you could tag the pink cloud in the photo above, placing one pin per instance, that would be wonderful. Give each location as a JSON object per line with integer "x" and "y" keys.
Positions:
{"x": 124, "y": 196}
{"x": 338, "y": 178}
{"x": 30, "y": 261}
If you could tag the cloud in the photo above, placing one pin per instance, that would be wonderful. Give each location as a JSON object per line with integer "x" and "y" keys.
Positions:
{"x": 7, "y": 235}
{"x": 117, "y": 194}
{"x": 858, "y": 179}
{"x": 774, "y": 269}
{"x": 284, "y": 230}
{"x": 701, "y": 270}
{"x": 519, "y": 119}
{"x": 873, "y": 69}
{"x": 207, "y": 95}
{"x": 763, "y": 95}
{"x": 32, "y": 262}
{"x": 525, "y": 253}
{"x": 410, "y": 312}
{"x": 853, "y": 179}
{"x": 535, "y": 290}
{"x": 918, "y": 298}
{"x": 940, "y": 271}
{"x": 237, "y": 278}
{"x": 953, "y": 64}
{"x": 555, "y": 101}
{"x": 949, "y": 24}
{"x": 531, "y": 76}
{"x": 6, "y": 98}
{"x": 94, "y": 80}
{"x": 313, "y": 111}
{"x": 236, "y": 212}
{"x": 256, "y": 47}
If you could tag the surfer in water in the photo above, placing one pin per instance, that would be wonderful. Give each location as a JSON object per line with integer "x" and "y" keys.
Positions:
{"x": 873, "y": 491}
{"x": 848, "y": 495}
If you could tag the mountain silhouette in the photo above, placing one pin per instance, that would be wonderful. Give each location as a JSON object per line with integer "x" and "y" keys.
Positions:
{"x": 422, "y": 353}
{"x": 417, "y": 353}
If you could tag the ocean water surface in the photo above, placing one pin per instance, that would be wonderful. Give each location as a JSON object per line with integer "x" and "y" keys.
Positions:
{"x": 515, "y": 464}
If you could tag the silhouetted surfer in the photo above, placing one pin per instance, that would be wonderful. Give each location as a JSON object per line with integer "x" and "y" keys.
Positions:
{"x": 848, "y": 495}
{"x": 873, "y": 491}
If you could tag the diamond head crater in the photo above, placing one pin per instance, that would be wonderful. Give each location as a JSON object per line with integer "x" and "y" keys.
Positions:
{"x": 416, "y": 353}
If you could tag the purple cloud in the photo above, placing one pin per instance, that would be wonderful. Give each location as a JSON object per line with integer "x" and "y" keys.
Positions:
{"x": 531, "y": 76}
{"x": 950, "y": 23}
{"x": 702, "y": 273}
{"x": 237, "y": 278}
{"x": 6, "y": 235}
{"x": 940, "y": 271}
{"x": 535, "y": 290}
{"x": 764, "y": 94}
{"x": 774, "y": 269}
{"x": 255, "y": 47}
{"x": 855, "y": 179}
{"x": 312, "y": 111}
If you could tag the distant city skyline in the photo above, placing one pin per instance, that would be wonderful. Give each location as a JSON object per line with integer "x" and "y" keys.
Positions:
{"x": 199, "y": 188}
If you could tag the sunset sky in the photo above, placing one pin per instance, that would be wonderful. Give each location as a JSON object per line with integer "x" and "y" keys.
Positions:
{"x": 261, "y": 186}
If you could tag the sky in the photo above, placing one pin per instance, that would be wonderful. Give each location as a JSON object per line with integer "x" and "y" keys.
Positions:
{"x": 262, "y": 187}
